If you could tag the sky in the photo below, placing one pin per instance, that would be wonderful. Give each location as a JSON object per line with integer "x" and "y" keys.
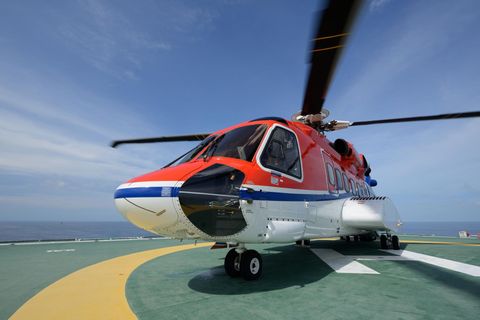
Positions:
{"x": 75, "y": 75}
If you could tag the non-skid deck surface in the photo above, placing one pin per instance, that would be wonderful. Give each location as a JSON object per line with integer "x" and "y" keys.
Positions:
{"x": 174, "y": 281}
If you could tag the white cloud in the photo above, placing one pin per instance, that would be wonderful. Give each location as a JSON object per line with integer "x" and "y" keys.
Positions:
{"x": 103, "y": 34}
{"x": 425, "y": 31}
{"x": 377, "y": 4}
{"x": 62, "y": 202}
{"x": 106, "y": 38}
{"x": 37, "y": 148}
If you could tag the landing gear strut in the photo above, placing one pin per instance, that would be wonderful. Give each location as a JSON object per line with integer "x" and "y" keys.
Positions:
{"x": 303, "y": 243}
{"x": 387, "y": 240}
{"x": 245, "y": 263}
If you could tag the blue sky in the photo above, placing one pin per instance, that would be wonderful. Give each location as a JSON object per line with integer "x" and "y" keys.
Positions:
{"x": 75, "y": 75}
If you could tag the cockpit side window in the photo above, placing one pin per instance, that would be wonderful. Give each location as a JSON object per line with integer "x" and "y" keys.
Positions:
{"x": 281, "y": 153}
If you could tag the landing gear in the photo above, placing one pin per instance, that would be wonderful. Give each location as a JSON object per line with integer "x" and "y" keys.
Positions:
{"x": 368, "y": 237}
{"x": 387, "y": 240}
{"x": 359, "y": 237}
{"x": 232, "y": 263}
{"x": 383, "y": 242}
{"x": 303, "y": 243}
{"x": 251, "y": 265}
{"x": 395, "y": 243}
{"x": 245, "y": 263}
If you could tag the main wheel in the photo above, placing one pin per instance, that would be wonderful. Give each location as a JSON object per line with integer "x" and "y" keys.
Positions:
{"x": 395, "y": 243}
{"x": 251, "y": 265}
{"x": 383, "y": 242}
{"x": 232, "y": 263}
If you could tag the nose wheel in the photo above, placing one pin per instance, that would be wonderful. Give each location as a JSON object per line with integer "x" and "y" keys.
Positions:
{"x": 246, "y": 263}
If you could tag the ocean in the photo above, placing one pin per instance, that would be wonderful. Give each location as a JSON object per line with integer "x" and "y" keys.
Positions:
{"x": 50, "y": 230}
{"x": 55, "y": 230}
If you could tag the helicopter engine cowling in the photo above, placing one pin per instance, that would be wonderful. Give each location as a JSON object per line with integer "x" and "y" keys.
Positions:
{"x": 349, "y": 156}
{"x": 371, "y": 213}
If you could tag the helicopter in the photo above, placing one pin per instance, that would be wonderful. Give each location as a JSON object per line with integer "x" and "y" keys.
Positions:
{"x": 272, "y": 180}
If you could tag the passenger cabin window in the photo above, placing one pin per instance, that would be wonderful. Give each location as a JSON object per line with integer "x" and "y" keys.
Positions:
{"x": 281, "y": 153}
{"x": 368, "y": 190}
{"x": 240, "y": 143}
{"x": 339, "y": 179}
{"x": 331, "y": 175}
{"x": 345, "y": 183}
{"x": 359, "y": 190}
{"x": 352, "y": 186}
{"x": 365, "y": 191}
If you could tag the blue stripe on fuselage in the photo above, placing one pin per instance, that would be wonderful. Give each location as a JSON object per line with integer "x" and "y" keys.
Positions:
{"x": 285, "y": 196}
{"x": 146, "y": 192}
{"x": 157, "y": 192}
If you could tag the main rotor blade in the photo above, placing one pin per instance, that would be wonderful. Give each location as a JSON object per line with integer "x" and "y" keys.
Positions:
{"x": 333, "y": 29}
{"x": 189, "y": 137}
{"x": 445, "y": 116}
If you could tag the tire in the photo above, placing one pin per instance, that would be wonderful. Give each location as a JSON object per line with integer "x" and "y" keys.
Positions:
{"x": 232, "y": 263}
{"x": 347, "y": 238}
{"x": 383, "y": 242}
{"x": 355, "y": 238}
{"x": 395, "y": 243}
{"x": 251, "y": 265}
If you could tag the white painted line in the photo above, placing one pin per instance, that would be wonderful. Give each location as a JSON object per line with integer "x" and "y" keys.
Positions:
{"x": 81, "y": 241}
{"x": 380, "y": 258}
{"x": 341, "y": 263}
{"x": 439, "y": 262}
{"x": 60, "y": 250}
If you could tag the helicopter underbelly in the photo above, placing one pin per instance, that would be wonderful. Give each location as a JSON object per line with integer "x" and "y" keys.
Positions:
{"x": 289, "y": 221}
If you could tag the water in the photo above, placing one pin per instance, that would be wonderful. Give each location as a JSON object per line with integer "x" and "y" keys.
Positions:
{"x": 24, "y": 231}
{"x": 449, "y": 229}
{"x": 46, "y": 230}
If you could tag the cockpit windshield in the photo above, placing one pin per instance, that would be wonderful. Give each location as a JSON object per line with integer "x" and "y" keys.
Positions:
{"x": 192, "y": 153}
{"x": 240, "y": 143}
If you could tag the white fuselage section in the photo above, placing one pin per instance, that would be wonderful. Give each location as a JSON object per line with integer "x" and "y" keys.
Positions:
{"x": 281, "y": 217}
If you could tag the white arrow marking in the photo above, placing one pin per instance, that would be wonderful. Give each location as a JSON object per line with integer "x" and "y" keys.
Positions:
{"x": 341, "y": 263}
{"x": 439, "y": 262}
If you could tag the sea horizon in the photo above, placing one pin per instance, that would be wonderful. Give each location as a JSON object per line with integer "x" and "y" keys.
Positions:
{"x": 63, "y": 230}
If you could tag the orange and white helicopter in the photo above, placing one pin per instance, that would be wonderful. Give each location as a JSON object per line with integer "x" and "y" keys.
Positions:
{"x": 270, "y": 180}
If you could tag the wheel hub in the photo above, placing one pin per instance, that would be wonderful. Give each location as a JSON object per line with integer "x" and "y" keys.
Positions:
{"x": 254, "y": 266}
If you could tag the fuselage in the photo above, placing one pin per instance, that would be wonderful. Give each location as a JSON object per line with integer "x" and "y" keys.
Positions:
{"x": 258, "y": 181}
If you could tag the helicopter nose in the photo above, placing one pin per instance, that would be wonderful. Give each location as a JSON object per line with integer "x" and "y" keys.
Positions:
{"x": 149, "y": 206}
{"x": 210, "y": 199}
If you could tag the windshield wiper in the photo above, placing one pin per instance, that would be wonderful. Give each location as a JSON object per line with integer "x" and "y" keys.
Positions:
{"x": 193, "y": 152}
{"x": 212, "y": 147}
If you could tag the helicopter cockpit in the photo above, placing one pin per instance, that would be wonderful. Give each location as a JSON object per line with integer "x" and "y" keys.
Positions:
{"x": 239, "y": 143}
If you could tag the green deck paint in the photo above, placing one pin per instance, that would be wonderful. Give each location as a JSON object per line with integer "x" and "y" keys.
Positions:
{"x": 295, "y": 283}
